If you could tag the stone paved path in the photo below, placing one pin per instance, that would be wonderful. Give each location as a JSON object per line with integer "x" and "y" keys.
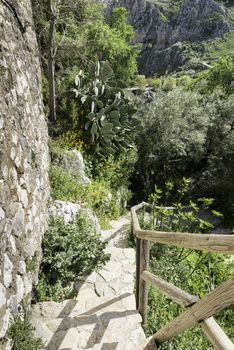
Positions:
{"x": 104, "y": 315}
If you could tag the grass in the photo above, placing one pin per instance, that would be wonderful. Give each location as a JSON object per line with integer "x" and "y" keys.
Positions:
{"x": 167, "y": 6}
{"x": 219, "y": 47}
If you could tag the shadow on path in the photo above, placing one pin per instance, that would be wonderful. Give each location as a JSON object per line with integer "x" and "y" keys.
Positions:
{"x": 101, "y": 323}
{"x": 122, "y": 240}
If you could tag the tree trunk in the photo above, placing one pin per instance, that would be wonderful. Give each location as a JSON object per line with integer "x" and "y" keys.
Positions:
{"x": 51, "y": 63}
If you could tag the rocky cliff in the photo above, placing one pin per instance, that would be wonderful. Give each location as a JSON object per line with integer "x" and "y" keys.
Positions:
{"x": 163, "y": 28}
{"x": 24, "y": 188}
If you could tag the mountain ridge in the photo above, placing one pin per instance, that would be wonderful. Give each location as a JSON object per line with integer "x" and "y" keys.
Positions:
{"x": 164, "y": 31}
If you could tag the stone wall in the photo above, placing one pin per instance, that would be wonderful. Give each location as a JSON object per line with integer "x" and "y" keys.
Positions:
{"x": 24, "y": 188}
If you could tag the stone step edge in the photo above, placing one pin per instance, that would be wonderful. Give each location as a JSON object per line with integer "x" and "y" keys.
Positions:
{"x": 149, "y": 344}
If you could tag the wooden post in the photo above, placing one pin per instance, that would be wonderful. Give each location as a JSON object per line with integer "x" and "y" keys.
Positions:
{"x": 138, "y": 257}
{"x": 136, "y": 226}
{"x": 143, "y": 289}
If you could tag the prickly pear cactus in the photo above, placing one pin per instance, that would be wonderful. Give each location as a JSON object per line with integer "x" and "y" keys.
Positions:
{"x": 109, "y": 116}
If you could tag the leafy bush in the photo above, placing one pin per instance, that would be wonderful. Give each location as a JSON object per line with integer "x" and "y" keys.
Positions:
{"x": 186, "y": 133}
{"x": 221, "y": 75}
{"x": 162, "y": 311}
{"x": 85, "y": 23}
{"x": 184, "y": 81}
{"x": 114, "y": 42}
{"x": 108, "y": 192}
{"x": 216, "y": 179}
{"x": 68, "y": 251}
{"x": 64, "y": 186}
{"x": 32, "y": 263}
{"x": 103, "y": 202}
{"x": 21, "y": 334}
{"x": 154, "y": 82}
{"x": 140, "y": 81}
{"x": 110, "y": 184}
{"x": 172, "y": 137}
{"x": 114, "y": 171}
{"x": 72, "y": 140}
{"x": 186, "y": 215}
{"x": 169, "y": 83}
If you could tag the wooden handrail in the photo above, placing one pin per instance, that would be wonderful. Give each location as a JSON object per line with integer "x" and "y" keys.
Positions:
{"x": 135, "y": 222}
{"x": 210, "y": 327}
{"x": 214, "y": 302}
{"x": 216, "y": 335}
{"x": 174, "y": 293}
{"x": 199, "y": 311}
{"x": 209, "y": 242}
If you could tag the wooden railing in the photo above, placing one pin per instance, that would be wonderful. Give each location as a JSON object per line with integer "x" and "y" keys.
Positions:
{"x": 198, "y": 312}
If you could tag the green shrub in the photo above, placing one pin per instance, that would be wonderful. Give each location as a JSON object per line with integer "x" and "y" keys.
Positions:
{"x": 109, "y": 191}
{"x": 57, "y": 149}
{"x": 188, "y": 215}
{"x": 68, "y": 251}
{"x": 169, "y": 83}
{"x": 112, "y": 43}
{"x": 114, "y": 171}
{"x": 154, "y": 82}
{"x": 72, "y": 140}
{"x": 65, "y": 186}
{"x": 161, "y": 311}
{"x": 105, "y": 202}
{"x": 185, "y": 215}
{"x": 99, "y": 198}
{"x": 184, "y": 81}
{"x": 172, "y": 137}
{"x": 21, "y": 334}
{"x": 220, "y": 75}
{"x": 140, "y": 81}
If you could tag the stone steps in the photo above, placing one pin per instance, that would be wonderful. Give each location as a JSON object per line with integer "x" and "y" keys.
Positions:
{"x": 103, "y": 315}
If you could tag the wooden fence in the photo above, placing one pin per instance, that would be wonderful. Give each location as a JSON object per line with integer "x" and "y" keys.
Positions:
{"x": 198, "y": 312}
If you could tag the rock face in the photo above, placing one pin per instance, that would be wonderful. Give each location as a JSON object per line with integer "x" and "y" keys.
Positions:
{"x": 24, "y": 188}
{"x": 73, "y": 162}
{"x": 162, "y": 33}
{"x": 68, "y": 211}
